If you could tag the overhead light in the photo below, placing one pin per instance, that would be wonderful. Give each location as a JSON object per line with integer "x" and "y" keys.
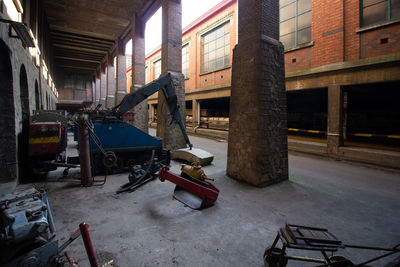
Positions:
{"x": 22, "y": 32}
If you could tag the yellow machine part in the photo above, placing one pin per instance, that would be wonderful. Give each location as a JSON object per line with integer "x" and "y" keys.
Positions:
{"x": 195, "y": 171}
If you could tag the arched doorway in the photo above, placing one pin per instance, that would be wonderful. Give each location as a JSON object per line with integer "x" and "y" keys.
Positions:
{"x": 23, "y": 136}
{"x": 37, "y": 95}
{"x": 8, "y": 170}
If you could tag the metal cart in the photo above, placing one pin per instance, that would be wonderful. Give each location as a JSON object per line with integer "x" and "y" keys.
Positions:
{"x": 317, "y": 239}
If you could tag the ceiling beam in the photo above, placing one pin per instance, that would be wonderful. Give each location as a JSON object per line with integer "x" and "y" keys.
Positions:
{"x": 69, "y": 40}
{"x": 81, "y": 32}
{"x": 77, "y": 48}
{"x": 79, "y": 59}
{"x": 80, "y": 37}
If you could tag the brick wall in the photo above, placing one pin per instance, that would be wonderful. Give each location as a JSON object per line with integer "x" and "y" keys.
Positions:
{"x": 382, "y": 41}
{"x": 337, "y": 37}
{"x": 196, "y": 78}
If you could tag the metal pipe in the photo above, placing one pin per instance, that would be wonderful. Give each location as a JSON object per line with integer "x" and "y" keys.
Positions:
{"x": 84, "y": 153}
{"x": 84, "y": 227}
{"x": 52, "y": 225}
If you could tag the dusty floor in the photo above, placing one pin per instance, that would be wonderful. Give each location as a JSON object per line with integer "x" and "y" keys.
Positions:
{"x": 149, "y": 228}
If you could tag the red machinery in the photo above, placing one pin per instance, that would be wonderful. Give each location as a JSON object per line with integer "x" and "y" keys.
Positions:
{"x": 192, "y": 192}
{"x": 47, "y": 141}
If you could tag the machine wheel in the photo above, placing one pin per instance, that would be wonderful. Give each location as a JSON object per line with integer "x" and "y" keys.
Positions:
{"x": 272, "y": 260}
{"x": 339, "y": 261}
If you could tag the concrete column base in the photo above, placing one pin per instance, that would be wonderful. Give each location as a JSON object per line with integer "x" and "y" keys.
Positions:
{"x": 110, "y": 101}
{"x": 171, "y": 134}
{"x": 120, "y": 96}
{"x": 103, "y": 103}
{"x": 257, "y": 147}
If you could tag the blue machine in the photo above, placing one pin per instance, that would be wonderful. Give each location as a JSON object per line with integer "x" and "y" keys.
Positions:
{"x": 117, "y": 145}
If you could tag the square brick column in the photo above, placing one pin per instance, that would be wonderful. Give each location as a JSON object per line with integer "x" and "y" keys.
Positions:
{"x": 138, "y": 71}
{"x": 103, "y": 88}
{"x": 110, "y": 84}
{"x": 171, "y": 61}
{"x": 257, "y": 146}
{"x": 121, "y": 74}
{"x": 97, "y": 91}
{"x": 195, "y": 113}
{"x": 335, "y": 119}
{"x": 151, "y": 113}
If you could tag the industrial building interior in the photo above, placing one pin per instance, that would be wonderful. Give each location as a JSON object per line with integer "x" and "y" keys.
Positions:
{"x": 239, "y": 141}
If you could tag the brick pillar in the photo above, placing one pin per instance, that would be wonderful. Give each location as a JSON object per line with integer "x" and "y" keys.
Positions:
{"x": 257, "y": 146}
{"x": 151, "y": 113}
{"x": 138, "y": 71}
{"x": 97, "y": 91}
{"x": 110, "y": 84}
{"x": 195, "y": 113}
{"x": 335, "y": 119}
{"x": 171, "y": 61}
{"x": 121, "y": 74}
{"x": 103, "y": 88}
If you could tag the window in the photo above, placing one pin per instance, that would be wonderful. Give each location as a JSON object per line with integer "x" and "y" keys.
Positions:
{"x": 374, "y": 11}
{"x": 157, "y": 69}
{"x": 185, "y": 60}
{"x": 215, "y": 52}
{"x": 294, "y": 22}
{"x": 128, "y": 61}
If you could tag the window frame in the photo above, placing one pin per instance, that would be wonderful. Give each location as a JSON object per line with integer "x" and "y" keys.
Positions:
{"x": 388, "y": 16}
{"x": 154, "y": 68}
{"x": 186, "y": 44}
{"x": 206, "y": 32}
{"x": 295, "y": 17}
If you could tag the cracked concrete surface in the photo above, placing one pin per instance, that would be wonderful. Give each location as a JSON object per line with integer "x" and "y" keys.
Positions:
{"x": 359, "y": 204}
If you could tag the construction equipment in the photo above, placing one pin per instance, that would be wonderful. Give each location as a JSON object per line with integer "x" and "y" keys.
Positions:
{"x": 121, "y": 145}
{"x": 48, "y": 141}
{"x": 191, "y": 191}
{"x": 299, "y": 237}
{"x": 27, "y": 232}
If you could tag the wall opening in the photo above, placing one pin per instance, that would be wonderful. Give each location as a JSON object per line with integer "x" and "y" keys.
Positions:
{"x": 23, "y": 143}
{"x": 7, "y": 118}
{"x": 37, "y": 96}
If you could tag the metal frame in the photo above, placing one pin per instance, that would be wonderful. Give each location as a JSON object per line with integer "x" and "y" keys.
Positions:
{"x": 187, "y": 45}
{"x": 209, "y": 30}
{"x": 388, "y": 17}
{"x": 319, "y": 240}
{"x": 296, "y": 16}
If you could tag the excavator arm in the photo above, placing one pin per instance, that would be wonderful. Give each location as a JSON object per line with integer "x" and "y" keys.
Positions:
{"x": 163, "y": 84}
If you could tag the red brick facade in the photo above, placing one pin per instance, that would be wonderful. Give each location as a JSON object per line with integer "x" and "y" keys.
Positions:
{"x": 337, "y": 36}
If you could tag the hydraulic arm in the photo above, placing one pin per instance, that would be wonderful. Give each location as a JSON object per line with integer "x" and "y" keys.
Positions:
{"x": 163, "y": 84}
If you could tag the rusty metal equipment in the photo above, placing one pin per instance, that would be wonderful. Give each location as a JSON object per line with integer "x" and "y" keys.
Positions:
{"x": 84, "y": 153}
{"x": 318, "y": 239}
{"x": 195, "y": 193}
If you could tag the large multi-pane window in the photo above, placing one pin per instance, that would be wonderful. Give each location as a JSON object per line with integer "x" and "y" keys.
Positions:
{"x": 295, "y": 22}
{"x": 215, "y": 52}
{"x": 375, "y": 11}
{"x": 185, "y": 60}
{"x": 157, "y": 69}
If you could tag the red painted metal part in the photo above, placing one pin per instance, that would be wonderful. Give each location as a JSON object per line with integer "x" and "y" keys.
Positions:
{"x": 46, "y": 140}
{"x": 208, "y": 194}
{"x": 84, "y": 227}
{"x": 84, "y": 153}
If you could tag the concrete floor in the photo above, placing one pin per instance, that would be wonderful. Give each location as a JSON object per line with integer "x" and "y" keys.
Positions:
{"x": 359, "y": 204}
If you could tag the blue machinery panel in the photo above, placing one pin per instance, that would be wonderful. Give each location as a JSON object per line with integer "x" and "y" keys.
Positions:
{"x": 122, "y": 137}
